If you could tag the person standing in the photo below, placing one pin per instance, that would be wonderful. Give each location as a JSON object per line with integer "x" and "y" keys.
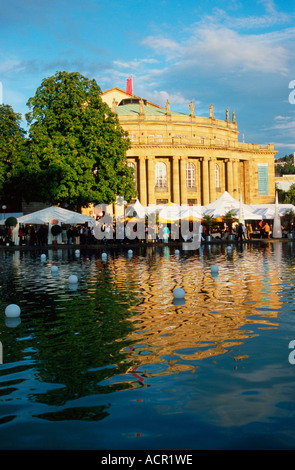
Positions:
{"x": 267, "y": 230}
{"x": 241, "y": 232}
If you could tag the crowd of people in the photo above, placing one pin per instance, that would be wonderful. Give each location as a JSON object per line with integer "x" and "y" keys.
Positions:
{"x": 32, "y": 235}
{"x": 241, "y": 231}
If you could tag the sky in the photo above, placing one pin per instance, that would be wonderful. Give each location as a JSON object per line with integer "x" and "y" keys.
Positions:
{"x": 230, "y": 53}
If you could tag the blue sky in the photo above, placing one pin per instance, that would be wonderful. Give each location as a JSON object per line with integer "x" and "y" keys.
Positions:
{"x": 231, "y": 54}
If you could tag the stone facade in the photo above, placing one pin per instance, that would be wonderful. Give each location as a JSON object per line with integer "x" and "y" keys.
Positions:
{"x": 188, "y": 159}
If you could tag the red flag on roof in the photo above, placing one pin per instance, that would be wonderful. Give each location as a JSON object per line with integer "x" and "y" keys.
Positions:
{"x": 129, "y": 85}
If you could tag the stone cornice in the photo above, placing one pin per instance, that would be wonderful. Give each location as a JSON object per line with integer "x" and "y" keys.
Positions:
{"x": 252, "y": 148}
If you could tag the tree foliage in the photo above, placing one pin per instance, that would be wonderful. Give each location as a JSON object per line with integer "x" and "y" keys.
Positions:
{"x": 288, "y": 197}
{"x": 12, "y": 145}
{"x": 77, "y": 146}
{"x": 285, "y": 165}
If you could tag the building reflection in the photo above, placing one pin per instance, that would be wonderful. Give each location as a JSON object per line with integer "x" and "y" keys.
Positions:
{"x": 219, "y": 312}
{"x": 218, "y": 315}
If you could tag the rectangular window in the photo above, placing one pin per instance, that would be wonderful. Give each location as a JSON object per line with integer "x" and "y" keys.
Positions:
{"x": 262, "y": 179}
{"x": 161, "y": 201}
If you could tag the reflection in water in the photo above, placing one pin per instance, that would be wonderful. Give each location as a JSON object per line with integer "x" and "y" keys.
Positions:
{"x": 121, "y": 326}
{"x": 217, "y": 313}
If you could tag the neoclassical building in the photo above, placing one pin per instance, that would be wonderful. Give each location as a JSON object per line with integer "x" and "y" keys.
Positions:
{"x": 188, "y": 159}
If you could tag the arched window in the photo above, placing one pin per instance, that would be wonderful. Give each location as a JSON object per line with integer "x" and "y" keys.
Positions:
{"x": 217, "y": 176}
{"x": 190, "y": 175}
{"x": 161, "y": 175}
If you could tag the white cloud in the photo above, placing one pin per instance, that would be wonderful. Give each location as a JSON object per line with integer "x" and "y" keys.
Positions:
{"x": 162, "y": 45}
{"x": 10, "y": 65}
{"x": 160, "y": 97}
{"x": 270, "y": 18}
{"x": 228, "y": 50}
{"x": 134, "y": 64}
{"x": 285, "y": 124}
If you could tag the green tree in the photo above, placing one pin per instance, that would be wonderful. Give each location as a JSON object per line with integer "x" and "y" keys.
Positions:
{"x": 285, "y": 165}
{"x": 12, "y": 145}
{"x": 229, "y": 218}
{"x": 288, "y": 218}
{"x": 288, "y": 197}
{"x": 209, "y": 221}
{"x": 77, "y": 146}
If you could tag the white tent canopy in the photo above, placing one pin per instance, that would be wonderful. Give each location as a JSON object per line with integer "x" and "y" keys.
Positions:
{"x": 53, "y": 216}
{"x": 174, "y": 212}
{"x": 139, "y": 209}
{"x": 225, "y": 203}
{"x": 62, "y": 216}
{"x": 267, "y": 211}
{"x": 170, "y": 212}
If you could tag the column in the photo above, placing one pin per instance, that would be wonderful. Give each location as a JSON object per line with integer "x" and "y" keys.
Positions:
{"x": 151, "y": 180}
{"x": 248, "y": 190}
{"x": 183, "y": 188}
{"x": 222, "y": 176}
{"x": 199, "y": 180}
{"x": 205, "y": 178}
{"x": 230, "y": 177}
{"x": 212, "y": 190}
{"x": 175, "y": 173}
{"x": 142, "y": 181}
{"x": 236, "y": 183}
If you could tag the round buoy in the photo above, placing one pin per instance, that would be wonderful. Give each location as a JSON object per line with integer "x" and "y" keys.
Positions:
{"x": 77, "y": 252}
{"x": 177, "y": 252}
{"x": 104, "y": 256}
{"x": 54, "y": 269}
{"x": 12, "y": 311}
{"x": 43, "y": 257}
{"x": 214, "y": 269}
{"x": 178, "y": 293}
{"x": 73, "y": 279}
{"x": 12, "y": 322}
{"x": 130, "y": 252}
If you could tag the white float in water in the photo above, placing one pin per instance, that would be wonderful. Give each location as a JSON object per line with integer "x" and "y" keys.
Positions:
{"x": 54, "y": 269}
{"x": 43, "y": 257}
{"x": 73, "y": 279}
{"x": 178, "y": 293}
{"x": 77, "y": 252}
{"x": 179, "y": 301}
{"x": 130, "y": 252}
{"x": 214, "y": 269}
{"x": 12, "y": 322}
{"x": 12, "y": 311}
{"x": 104, "y": 256}
{"x": 177, "y": 252}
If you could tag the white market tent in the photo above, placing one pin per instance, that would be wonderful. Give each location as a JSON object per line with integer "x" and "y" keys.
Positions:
{"x": 169, "y": 213}
{"x": 139, "y": 209}
{"x": 225, "y": 203}
{"x": 52, "y": 216}
{"x": 173, "y": 212}
{"x": 267, "y": 211}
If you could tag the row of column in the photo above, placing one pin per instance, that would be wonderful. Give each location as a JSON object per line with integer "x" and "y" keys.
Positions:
{"x": 179, "y": 193}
